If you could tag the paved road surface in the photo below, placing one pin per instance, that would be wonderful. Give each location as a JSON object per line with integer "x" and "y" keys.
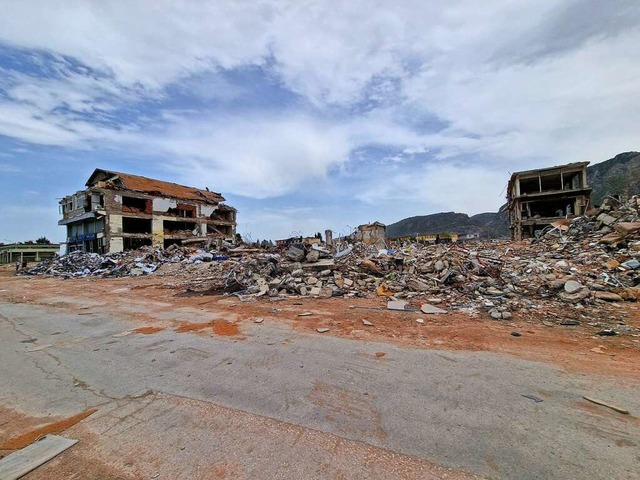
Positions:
{"x": 281, "y": 404}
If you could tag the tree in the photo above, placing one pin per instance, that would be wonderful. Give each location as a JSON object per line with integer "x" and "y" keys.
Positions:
{"x": 43, "y": 241}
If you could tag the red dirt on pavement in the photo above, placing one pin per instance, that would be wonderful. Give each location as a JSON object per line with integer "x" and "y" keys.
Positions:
{"x": 566, "y": 346}
{"x": 60, "y": 426}
{"x": 148, "y": 330}
{"x": 219, "y": 328}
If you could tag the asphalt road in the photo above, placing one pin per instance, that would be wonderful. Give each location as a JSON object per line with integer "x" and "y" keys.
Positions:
{"x": 459, "y": 410}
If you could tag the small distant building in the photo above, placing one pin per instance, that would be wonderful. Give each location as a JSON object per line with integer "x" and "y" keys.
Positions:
{"x": 27, "y": 252}
{"x": 371, "y": 233}
{"x": 119, "y": 211}
{"x": 537, "y": 198}
{"x": 429, "y": 238}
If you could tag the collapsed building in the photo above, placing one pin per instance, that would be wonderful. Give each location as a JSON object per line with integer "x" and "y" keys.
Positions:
{"x": 538, "y": 198}
{"x": 120, "y": 211}
{"x": 371, "y": 233}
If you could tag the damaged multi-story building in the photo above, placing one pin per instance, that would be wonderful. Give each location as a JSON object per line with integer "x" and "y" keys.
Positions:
{"x": 538, "y": 198}
{"x": 119, "y": 211}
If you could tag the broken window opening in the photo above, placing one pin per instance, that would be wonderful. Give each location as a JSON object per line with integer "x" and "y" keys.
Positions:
{"x": 169, "y": 242}
{"x": 551, "y": 182}
{"x": 572, "y": 181}
{"x": 183, "y": 211}
{"x": 135, "y": 243}
{"x": 529, "y": 185}
{"x": 136, "y": 225}
{"x": 137, "y": 205}
{"x": 174, "y": 227}
{"x": 548, "y": 208}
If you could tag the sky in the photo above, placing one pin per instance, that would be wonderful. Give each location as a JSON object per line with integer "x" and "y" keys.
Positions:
{"x": 308, "y": 115}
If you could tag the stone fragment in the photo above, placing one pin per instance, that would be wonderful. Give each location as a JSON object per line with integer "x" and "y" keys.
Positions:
{"x": 295, "y": 254}
{"x": 313, "y": 256}
{"x": 572, "y": 286}
{"x": 322, "y": 330}
{"x": 612, "y": 264}
{"x": 608, "y": 220}
{"x": 430, "y": 309}
{"x": 367, "y": 323}
{"x": 417, "y": 285}
{"x": 608, "y": 296}
{"x": 325, "y": 292}
{"x": 625, "y": 228}
{"x": 312, "y": 281}
{"x": 396, "y": 305}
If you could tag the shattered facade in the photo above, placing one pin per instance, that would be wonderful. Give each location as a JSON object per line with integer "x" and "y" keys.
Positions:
{"x": 371, "y": 233}
{"x": 120, "y": 211}
{"x": 538, "y": 198}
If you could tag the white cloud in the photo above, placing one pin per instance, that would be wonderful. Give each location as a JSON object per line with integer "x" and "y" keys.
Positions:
{"x": 512, "y": 84}
{"x": 256, "y": 157}
{"x": 439, "y": 187}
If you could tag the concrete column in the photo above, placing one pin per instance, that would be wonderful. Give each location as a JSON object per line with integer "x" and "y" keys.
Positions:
{"x": 157, "y": 232}
{"x": 328, "y": 238}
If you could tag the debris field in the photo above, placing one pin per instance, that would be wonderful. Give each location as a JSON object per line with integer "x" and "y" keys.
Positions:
{"x": 566, "y": 276}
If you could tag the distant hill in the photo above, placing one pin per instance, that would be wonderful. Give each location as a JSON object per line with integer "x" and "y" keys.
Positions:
{"x": 620, "y": 174}
{"x": 487, "y": 225}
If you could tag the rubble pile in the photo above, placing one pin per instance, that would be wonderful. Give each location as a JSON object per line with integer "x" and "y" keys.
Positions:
{"x": 587, "y": 262}
{"x": 145, "y": 260}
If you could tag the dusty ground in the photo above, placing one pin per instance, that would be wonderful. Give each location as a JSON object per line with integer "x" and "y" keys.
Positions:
{"x": 353, "y": 438}
{"x": 143, "y": 299}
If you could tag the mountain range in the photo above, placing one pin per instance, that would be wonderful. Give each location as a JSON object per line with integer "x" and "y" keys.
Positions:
{"x": 618, "y": 175}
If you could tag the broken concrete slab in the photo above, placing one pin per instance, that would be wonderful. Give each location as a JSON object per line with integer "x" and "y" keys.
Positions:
{"x": 430, "y": 309}
{"x": 397, "y": 305}
{"x": 18, "y": 464}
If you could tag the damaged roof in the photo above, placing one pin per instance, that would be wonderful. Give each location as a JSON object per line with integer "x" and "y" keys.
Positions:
{"x": 152, "y": 186}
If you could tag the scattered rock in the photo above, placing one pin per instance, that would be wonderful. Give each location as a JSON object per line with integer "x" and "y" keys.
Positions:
{"x": 572, "y": 286}
{"x": 322, "y": 330}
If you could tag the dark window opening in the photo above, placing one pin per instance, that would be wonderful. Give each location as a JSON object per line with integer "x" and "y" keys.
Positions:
{"x": 549, "y": 208}
{"x": 572, "y": 181}
{"x": 168, "y": 243}
{"x": 135, "y": 243}
{"x": 136, "y": 225}
{"x": 137, "y": 205}
{"x": 176, "y": 227}
{"x": 551, "y": 182}
{"x": 529, "y": 185}
{"x": 224, "y": 215}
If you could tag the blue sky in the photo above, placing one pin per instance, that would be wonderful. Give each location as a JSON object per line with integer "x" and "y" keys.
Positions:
{"x": 309, "y": 115}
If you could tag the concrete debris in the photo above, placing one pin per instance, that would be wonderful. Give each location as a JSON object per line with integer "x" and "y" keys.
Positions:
{"x": 322, "y": 330}
{"x": 396, "y": 305}
{"x": 430, "y": 309}
{"x": 562, "y": 274}
{"x": 367, "y": 323}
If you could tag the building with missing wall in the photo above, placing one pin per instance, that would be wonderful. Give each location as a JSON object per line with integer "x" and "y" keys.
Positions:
{"x": 537, "y": 198}
{"x": 119, "y": 211}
